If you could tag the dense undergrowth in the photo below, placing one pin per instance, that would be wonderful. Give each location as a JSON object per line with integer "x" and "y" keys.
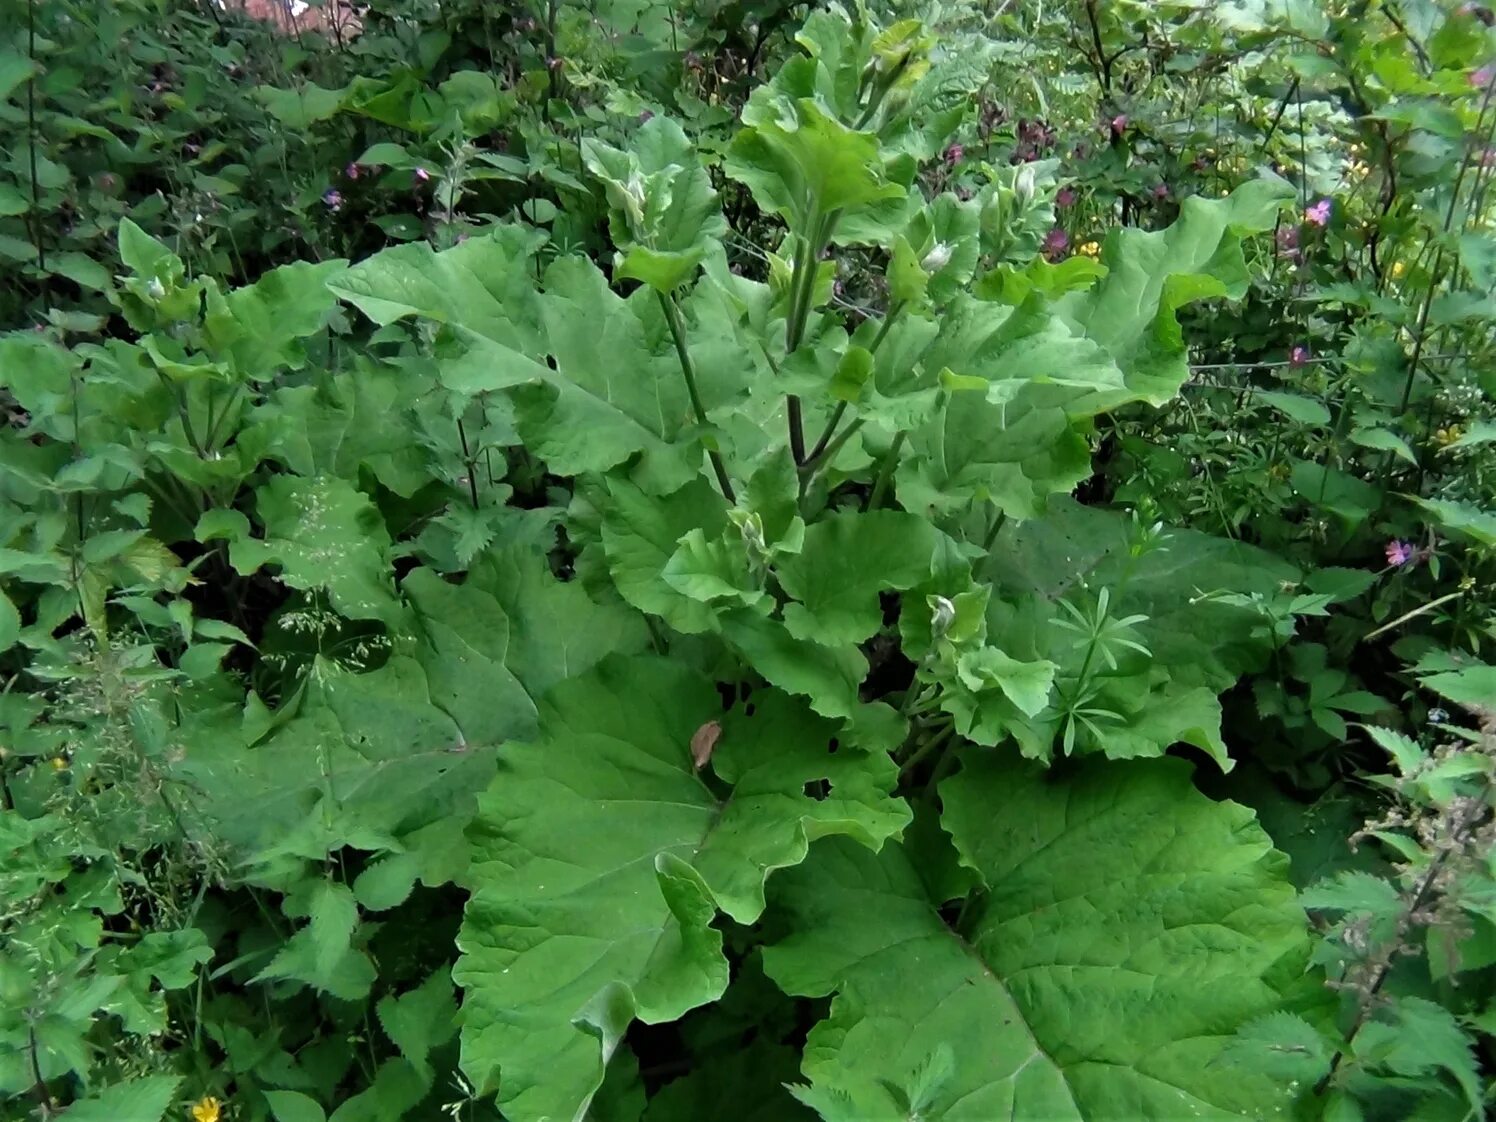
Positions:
{"x": 628, "y": 560}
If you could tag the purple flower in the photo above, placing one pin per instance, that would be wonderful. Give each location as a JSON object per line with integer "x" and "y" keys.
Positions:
{"x": 1299, "y": 356}
{"x": 1319, "y": 213}
{"x": 953, "y": 154}
{"x": 1118, "y": 123}
{"x": 333, "y": 199}
{"x": 1056, "y": 242}
{"x": 422, "y": 175}
{"x": 353, "y": 171}
{"x": 1065, "y": 197}
{"x": 1399, "y": 553}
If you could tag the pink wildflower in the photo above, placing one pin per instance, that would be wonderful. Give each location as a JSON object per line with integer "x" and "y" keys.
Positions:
{"x": 1161, "y": 191}
{"x": 333, "y": 199}
{"x": 422, "y": 175}
{"x": 1056, "y": 242}
{"x": 1119, "y": 122}
{"x": 1319, "y": 213}
{"x": 1483, "y": 77}
{"x": 953, "y": 154}
{"x": 1065, "y": 197}
{"x": 1399, "y": 553}
{"x": 353, "y": 171}
{"x": 1299, "y": 356}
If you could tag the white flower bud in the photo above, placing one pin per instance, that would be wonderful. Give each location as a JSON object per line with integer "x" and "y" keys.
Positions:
{"x": 942, "y": 615}
{"x": 1023, "y": 185}
{"x": 155, "y": 289}
{"x": 937, "y": 258}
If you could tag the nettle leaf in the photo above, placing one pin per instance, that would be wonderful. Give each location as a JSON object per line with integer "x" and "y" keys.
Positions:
{"x": 1417, "y": 1037}
{"x": 1151, "y": 274}
{"x": 137, "y": 1100}
{"x": 602, "y": 856}
{"x": 324, "y": 534}
{"x": 1128, "y": 927}
{"x": 663, "y": 214}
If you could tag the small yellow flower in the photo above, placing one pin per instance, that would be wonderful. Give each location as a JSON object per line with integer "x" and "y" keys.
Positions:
{"x": 1090, "y": 249}
{"x": 1278, "y": 472}
{"x": 1446, "y": 436}
{"x": 206, "y": 1109}
{"x": 58, "y": 763}
{"x": 1467, "y": 583}
{"x": 1398, "y": 269}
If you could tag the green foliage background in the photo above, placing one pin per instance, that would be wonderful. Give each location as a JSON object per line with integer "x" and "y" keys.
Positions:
{"x": 634, "y": 562}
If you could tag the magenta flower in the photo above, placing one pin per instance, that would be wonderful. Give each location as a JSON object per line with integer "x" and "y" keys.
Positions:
{"x": 1056, "y": 242}
{"x": 1399, "y": 553}
{"x": 953, "y": 154}
{"x": 1299, "y": 356}
{"x": 1161, "y": 191}
{"x": 1319, "y": 213}
{"x": 333, "y": 199}
{"x": 1119, "y": 122}
{"x": 422, "y": 175}
{"x": 353, "y": 171}
{"x": 1483, "y": 77}
{"x": 1065, "y": 197}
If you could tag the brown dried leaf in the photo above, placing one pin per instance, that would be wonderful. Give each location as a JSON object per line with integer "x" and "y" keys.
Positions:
{"x": 703, "y": 740}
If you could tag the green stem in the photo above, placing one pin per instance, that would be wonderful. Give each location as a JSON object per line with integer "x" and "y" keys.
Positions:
{"x": 885, "y": 471}
{"x": 924, "y": 750}
{"x": 992, "y": 531}
{"x": 802, "y": 297}
{"x": 825, "y": 438}
{"x": 688, "y": 371}
{"x": 840, "y": 411}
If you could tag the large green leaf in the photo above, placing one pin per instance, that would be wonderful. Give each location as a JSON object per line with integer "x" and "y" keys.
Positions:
{"x": 265, "y": 321}
{"x": 602, "y": 855}
{"x": 557, "y": 632}
{"x": 663, "y": 213}
{"x": 1151, "y": 274}
{"x": 324, "y": 534}
{"x": 1128, "y": 926}
{"x": 1197, "y": 636}
{"x": 802, "y": 164}
{"x": 465, "y": 655}
{"x": 1014, "y": 432}
{"x": 846, "y": 560}
{"x": 586, "y": 399}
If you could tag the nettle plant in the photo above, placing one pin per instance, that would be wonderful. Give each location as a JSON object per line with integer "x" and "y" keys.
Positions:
{"x": 849, "y": 538}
